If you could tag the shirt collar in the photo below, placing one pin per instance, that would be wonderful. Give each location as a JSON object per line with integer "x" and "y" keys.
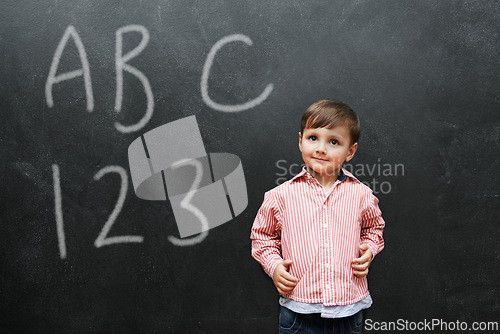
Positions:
{"x": 341, "y": 177}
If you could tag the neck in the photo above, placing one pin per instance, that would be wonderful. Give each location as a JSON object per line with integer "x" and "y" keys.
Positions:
{"x": 325, "y": 180}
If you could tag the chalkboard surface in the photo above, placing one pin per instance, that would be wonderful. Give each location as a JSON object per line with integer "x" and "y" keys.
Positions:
{"x": 81, "y": 80}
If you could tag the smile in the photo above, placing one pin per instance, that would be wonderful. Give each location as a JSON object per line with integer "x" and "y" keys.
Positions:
{"x": 319, "y": 159}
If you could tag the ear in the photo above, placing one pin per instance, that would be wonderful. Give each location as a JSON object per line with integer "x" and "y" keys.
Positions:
{"x": 300, "y": 142}
{"x": 352, "y": 150}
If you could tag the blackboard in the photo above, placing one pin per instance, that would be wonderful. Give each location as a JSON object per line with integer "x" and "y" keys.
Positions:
{"x": 422, "y": 75}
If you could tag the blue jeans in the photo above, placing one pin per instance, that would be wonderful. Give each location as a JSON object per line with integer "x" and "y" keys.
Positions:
{"x": 291, "y": 322}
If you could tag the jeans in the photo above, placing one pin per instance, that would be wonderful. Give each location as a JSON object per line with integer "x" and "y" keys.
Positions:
{"x": 291, "y": 322}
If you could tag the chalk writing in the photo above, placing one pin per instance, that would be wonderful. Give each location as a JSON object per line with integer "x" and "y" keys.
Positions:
{"x": 85, "y": 70}
{"x": 102, "y": 239}
{"x": 58, "y": 210}
{"x": 185, "y": 204}
{"x": 206, "y": 73}
{"x": 121, "y": 65}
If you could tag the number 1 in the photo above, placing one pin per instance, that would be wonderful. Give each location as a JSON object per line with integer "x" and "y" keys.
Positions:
{"x": 58, "y": 209}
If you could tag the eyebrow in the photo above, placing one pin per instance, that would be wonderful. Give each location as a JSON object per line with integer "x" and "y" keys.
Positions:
{"x": 336, "y": 137}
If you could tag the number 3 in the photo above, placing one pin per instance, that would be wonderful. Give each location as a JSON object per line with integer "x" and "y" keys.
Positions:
{"x": 185, "y": 204}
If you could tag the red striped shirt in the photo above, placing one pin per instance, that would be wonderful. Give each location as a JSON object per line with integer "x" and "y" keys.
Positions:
{"x": 320, "y": 231}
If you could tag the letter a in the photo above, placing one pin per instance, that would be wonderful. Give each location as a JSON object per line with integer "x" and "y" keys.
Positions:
{"x": 85, "y": 70}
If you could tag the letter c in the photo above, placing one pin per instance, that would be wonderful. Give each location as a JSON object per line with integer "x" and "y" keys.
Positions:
{"x": 206, "y": 72}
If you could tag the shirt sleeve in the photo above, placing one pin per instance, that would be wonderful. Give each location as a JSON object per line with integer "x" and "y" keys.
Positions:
{"x": 266, "y": 235}
{"x": 372, "y": 225}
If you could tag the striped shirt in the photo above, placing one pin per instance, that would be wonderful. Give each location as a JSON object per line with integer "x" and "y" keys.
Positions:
{"x": 320, "y": 231}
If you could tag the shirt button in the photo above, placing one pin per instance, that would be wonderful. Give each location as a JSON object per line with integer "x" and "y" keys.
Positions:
{"x": 324, "y": 206}
{"x": 325, "y": 225}
{"x": 327, "y": 286}
{"x": 326, "y": 245}
{"x": 327, "y": 265}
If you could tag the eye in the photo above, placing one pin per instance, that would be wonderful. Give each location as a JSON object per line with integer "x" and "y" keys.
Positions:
{"x": 313, "y": 138}
{"x": 334, "y": 142}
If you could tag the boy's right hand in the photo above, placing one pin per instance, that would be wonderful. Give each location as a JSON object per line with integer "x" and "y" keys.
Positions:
{"x": 283, "y": 281}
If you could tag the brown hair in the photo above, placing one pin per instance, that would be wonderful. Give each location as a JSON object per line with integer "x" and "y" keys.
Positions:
{"x": 329, "y": 114}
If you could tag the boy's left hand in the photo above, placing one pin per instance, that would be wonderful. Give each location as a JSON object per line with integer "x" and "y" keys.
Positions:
{"x": 360, "y": 265}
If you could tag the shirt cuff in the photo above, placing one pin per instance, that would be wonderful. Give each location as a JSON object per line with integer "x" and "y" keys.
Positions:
{"x": 272, "y": 264}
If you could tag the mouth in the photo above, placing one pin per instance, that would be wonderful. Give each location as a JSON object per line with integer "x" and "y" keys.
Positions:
{"x": 319, "y": 159}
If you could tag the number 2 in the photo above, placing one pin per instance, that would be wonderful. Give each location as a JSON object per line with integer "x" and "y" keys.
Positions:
{"x": 102, "y": 240}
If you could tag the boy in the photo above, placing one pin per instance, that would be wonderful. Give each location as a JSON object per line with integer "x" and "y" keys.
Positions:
{"x": 317, "y": 233}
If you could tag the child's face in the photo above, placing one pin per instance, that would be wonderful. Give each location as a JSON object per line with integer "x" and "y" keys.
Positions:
{"x": 325, "y": 150}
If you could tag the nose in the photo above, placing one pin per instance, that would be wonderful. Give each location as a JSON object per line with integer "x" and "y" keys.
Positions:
{"x": 320, "y": 147}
